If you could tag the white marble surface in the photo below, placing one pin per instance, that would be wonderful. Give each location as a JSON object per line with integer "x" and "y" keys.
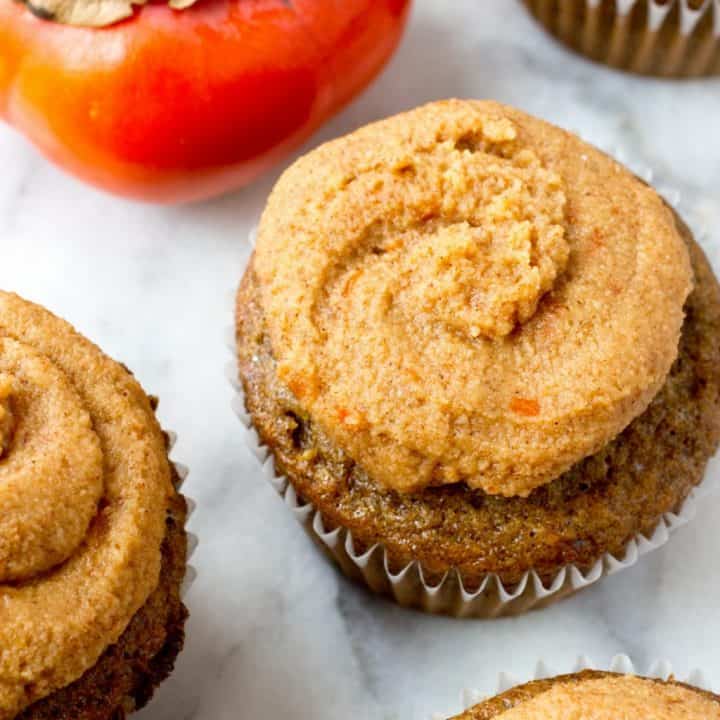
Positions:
{"x": 274, "y": 631}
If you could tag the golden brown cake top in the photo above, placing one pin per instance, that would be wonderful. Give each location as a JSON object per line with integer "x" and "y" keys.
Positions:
{"x": 467, "y": 293}
{"x": 612, "y": 698}
{"x": 84, "y": 488}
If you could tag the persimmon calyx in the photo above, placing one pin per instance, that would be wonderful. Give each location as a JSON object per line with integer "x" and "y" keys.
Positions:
{"x": 92, "y": 13}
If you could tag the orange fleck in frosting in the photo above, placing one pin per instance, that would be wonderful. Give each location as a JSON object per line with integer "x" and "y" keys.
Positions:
{"x": 523, "y": 406}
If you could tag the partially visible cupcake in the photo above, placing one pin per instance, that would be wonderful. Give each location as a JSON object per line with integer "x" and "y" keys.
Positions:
{"x": 598, "y": 696}
{"x": 470, "y": 340}
{"x": 667, "y": 38}
{"x": 92, "y": 539}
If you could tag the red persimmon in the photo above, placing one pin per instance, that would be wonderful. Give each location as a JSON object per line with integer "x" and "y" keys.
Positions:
{"x": 173, "y": 105}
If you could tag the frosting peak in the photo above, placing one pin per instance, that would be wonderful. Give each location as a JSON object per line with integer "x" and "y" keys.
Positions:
{"x": 485, "y": 275}
{"x": 498, "y": 243}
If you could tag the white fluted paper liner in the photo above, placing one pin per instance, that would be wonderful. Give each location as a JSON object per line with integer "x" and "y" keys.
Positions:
{"x": 622, "y": 664}
{"x": 650, "y": 37}
{"x": 192, "y": 539}
{"x": 492, "y": 599}
{"x": 408, "y": 587}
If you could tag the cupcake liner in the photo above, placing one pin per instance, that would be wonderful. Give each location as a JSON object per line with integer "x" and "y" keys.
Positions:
{"x": 192, "y": 539}
{"x": 668, "y": 38}
{"x": 449, "y": 596}
{"x": 660, "y": 669}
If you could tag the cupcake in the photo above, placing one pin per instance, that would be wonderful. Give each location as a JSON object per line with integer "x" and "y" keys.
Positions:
{"x": 480, "y": 349}
{"x": 92, "y": 539}
{"x": 600, "y": 696}
{"x": 667, "y": 38}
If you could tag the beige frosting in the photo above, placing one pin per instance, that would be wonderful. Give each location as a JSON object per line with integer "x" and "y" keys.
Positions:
{"x": 466, "y": 293}
{"x": 616, "y": 698}
{"x": 84, "y": 486}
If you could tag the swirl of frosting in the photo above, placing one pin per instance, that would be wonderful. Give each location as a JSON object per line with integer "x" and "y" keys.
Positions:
{"x": 464, "y": 293}
{"x": 84, "y": 487}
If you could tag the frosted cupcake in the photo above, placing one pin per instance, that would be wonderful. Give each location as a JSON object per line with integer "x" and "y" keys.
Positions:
{"x": 92, "y": 539}
{"x": 471, "y": 340}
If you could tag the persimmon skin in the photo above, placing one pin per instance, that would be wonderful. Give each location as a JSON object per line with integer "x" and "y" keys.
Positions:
{"x": 176, "y": 106}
